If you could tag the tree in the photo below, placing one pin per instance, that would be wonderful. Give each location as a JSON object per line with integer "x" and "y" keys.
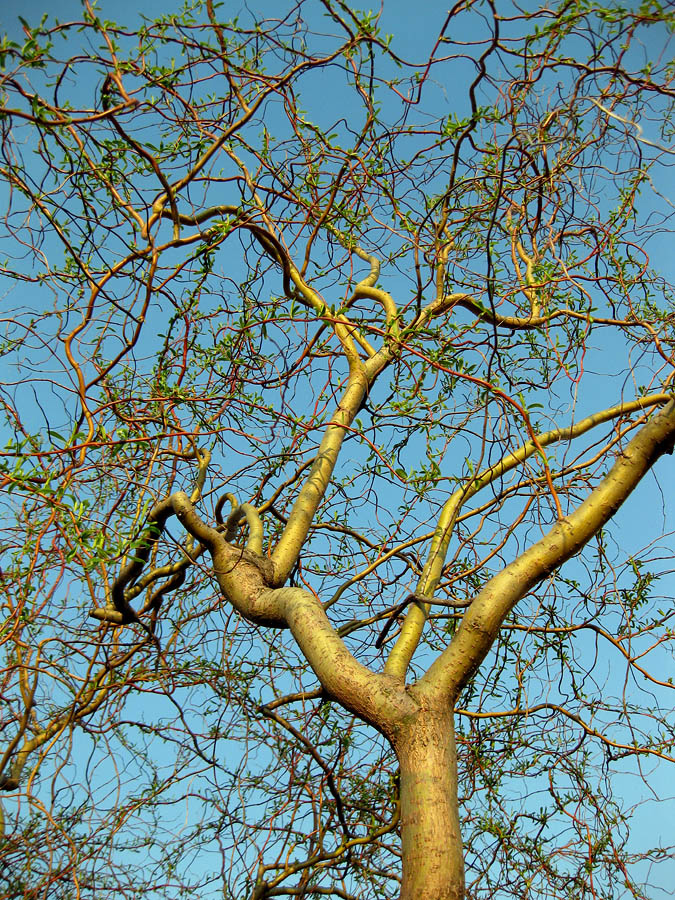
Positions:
{"x": 331, "y": 362}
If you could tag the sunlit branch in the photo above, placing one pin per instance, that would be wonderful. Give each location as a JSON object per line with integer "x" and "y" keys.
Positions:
{"x": 401, "y": 654}
{"x": 481, "y": 622}
{"x": 247, "y": 512}
{"x": 247, "y": 581}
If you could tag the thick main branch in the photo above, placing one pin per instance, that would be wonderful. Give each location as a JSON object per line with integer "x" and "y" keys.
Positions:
{"x": 245, "y": 578}
{"x": 402, "y": 652}
{"x": 480, "y": 625}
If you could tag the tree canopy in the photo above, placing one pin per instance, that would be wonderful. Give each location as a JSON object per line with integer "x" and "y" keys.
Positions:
{"x": 332, "y": 359}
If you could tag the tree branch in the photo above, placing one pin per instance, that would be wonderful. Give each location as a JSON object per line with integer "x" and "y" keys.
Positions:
{"x": 480, "y": 625}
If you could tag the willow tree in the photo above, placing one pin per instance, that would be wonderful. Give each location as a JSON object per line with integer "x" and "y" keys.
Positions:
{"x": 331, "y": 357}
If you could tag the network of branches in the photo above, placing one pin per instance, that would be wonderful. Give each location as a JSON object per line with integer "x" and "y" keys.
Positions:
{"x": 217, "y": 233}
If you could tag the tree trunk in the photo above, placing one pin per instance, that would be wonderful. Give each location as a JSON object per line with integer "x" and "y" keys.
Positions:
{"x": 433, "y": 861}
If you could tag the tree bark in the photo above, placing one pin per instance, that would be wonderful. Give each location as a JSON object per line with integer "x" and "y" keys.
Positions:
{"x": 433, "y": 861}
